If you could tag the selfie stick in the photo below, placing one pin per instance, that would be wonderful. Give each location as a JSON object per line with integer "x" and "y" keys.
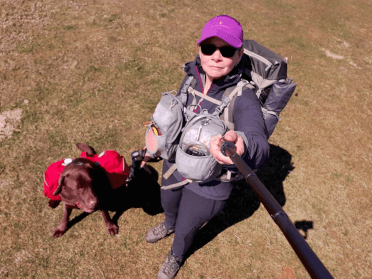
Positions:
{"x": 311, "y": 262}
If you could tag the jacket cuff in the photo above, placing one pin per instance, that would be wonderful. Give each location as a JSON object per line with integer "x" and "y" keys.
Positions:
{"x": 245, "y": 141}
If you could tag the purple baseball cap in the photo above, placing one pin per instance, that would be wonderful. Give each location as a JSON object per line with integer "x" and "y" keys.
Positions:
{"x": 225, "y": 28}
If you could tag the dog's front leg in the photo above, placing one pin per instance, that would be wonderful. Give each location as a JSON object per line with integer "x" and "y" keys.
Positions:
{"x": 61, "y": 229}
{"x": 112, "y": 228}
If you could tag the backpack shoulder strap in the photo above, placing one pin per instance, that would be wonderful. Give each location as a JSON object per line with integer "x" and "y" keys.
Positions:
{"x": 190, "y": 83}
{"x": 233, "y": 92}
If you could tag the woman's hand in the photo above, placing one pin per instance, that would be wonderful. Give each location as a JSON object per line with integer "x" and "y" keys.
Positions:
{"x": 216, "y": 144}
{"x": 146, "y": 158}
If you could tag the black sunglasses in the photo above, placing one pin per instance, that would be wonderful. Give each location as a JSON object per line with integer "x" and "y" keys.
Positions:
{"x": 226, "y": 51}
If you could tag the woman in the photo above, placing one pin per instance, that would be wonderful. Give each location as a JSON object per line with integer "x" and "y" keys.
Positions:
{"x": 187, "y": 208}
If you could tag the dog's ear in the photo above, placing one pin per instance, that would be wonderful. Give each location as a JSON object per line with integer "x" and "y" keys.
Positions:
{"x": 85, "y": 148}
{"x": 60, "y": 183}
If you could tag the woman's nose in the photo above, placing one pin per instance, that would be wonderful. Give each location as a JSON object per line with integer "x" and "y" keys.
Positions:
{"x": 216, "y": 56}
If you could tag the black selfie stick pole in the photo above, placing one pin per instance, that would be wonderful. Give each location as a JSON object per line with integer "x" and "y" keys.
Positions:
{"x": 311, "y": 262}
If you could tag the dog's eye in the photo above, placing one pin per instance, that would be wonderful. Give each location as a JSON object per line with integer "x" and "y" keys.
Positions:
{"x": 84, "y": 184}
{"x": 84, "y": 181}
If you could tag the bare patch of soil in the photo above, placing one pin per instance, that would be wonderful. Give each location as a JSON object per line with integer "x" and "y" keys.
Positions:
{"x": 9, "y": 120}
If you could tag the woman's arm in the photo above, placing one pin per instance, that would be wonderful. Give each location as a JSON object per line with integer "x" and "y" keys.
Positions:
{"x": 250, "y": 131}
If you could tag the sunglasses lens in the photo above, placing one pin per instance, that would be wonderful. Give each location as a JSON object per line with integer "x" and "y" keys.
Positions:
{"x": 226, "y": 51}
{"x": 208, "y": 49}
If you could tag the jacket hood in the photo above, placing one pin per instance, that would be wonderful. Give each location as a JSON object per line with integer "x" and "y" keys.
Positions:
{"x": 230, "y": 79}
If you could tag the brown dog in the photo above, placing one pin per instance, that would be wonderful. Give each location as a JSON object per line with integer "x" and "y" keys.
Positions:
{"x": 83, "y": 184}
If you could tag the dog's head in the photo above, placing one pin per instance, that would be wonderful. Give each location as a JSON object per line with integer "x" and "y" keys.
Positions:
{"x": 77, "y": 184}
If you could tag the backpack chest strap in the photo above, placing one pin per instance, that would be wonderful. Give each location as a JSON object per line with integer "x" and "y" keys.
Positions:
{"x": 194, "y": 92}
{"x": 221, "y": 105}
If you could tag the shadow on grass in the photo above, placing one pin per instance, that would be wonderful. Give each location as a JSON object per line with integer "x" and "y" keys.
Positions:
{"x": 243, "y": 202}
{"x": 142, "y": 192}
{"x": 304, "y": 226}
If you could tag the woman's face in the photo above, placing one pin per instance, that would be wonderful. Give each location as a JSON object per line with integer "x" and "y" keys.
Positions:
{"x": 215, "y": 65}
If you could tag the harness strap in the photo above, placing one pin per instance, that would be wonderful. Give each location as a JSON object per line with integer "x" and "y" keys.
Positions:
{"x": 203, "y": 96}
{"x": 226, "y": 106}
{"x": 233, "y": 92}
{"x": 228, "y": 111}
{"x": 45, "y": 181}
{"x": 193, "y": 103}
{"x": 221, "y": 104}
{"x": 260, "y": 58}
{"x": 270, "y": 112}
{"x": 187, "y": 85}
{"x": 175, "y": 185}
{"x": 221, "y": 108}
{"x": 261, "y": 82}
{"x": 170, "y": 171}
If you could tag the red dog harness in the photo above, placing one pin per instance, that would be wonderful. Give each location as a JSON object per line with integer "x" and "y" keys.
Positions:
{"x": 116, "y": 168}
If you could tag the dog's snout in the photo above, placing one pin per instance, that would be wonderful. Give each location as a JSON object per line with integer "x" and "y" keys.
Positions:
{"x": 93, "y": 202}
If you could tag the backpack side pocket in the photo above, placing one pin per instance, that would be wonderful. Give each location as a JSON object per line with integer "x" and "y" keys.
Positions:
{"x": 168, "y": 119}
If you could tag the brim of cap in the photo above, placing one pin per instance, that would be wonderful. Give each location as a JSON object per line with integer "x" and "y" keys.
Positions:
{"x": 224, "y": 36}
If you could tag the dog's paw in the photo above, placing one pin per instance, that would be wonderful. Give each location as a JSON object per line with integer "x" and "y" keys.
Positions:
{"x": 112, "y": 229}
{"x": 59, "y": 231}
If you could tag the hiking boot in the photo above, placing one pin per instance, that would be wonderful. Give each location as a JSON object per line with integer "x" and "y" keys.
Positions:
{"x": 170, "y": 267}
{"x": 158, "y": 232}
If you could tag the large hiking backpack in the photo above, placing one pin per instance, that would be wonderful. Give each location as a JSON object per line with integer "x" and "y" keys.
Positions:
{"x": 267, "y": 71}
{"x": 264, "y": 71}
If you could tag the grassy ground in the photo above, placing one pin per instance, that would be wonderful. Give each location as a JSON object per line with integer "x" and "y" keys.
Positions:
{"x": 92, "y": 71}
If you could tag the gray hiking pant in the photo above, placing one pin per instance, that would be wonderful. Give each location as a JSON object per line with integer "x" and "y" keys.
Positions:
{"x": 186, "y": 212}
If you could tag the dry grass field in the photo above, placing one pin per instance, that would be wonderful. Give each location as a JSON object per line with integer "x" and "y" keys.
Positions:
{"x": 93, "y": 70}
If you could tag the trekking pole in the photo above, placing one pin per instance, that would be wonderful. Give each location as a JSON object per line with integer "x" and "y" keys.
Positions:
{"x": 309, "y": 259}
